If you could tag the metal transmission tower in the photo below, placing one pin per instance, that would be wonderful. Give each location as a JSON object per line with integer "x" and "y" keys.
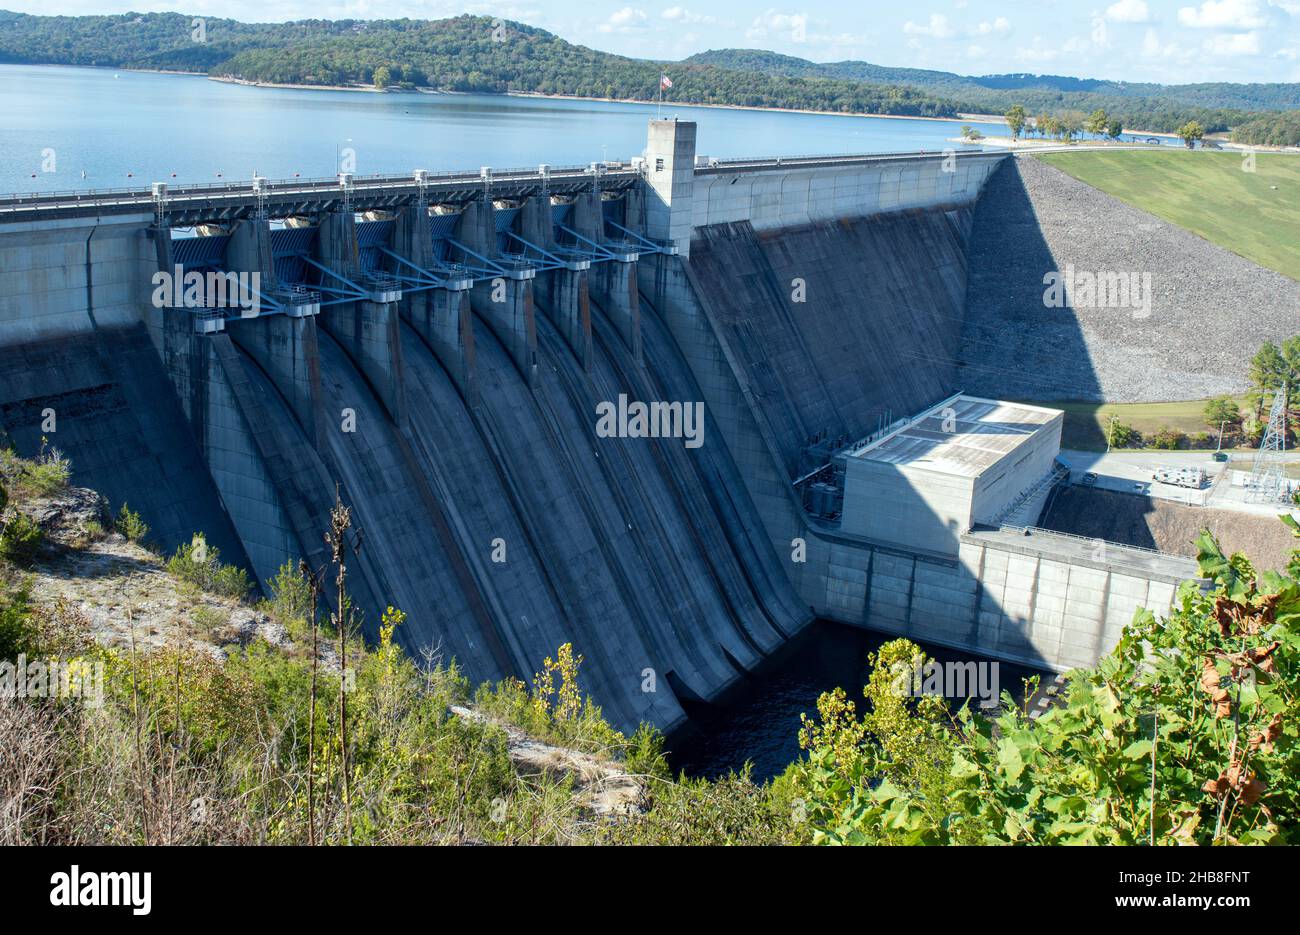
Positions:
{"x": 1267, "y": 482}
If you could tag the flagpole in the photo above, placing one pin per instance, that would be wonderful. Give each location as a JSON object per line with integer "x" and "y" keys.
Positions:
{"x": 659, "y": 111}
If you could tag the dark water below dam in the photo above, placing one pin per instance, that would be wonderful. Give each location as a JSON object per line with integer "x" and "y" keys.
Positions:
{"x": 759, "y": 719}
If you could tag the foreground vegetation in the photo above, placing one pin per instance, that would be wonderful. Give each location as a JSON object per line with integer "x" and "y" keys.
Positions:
{"x": 1249, "y": 207}
{"x": 1186, "y": 733}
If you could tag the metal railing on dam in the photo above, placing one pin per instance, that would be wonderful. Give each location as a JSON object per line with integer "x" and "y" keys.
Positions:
{"x": 831, "y": 160}
{"x": 233, "y": 200}
{"x": 190, "y": 204}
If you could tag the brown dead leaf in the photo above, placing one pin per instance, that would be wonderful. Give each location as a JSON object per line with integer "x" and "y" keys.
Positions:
{"x": 1263, "y": 740}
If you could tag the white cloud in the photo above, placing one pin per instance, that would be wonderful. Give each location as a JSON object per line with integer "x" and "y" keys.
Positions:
{"x": 976, "y": 51}
{"x": 793, "y": 26}
{"x": 624, "y": 20}
{"x": 1128, "y": 11}
{"x": 938, "y": 27}
{"x": 1001, "y": 25}
{"x": 1035, "y": 54}
{"x": 1152, "y": 47}
{"x": 1223, "y": 14}
{"x": 678, "y": 14}
{"x": 1241, "y": 43}
{"x": 806, "y": 30}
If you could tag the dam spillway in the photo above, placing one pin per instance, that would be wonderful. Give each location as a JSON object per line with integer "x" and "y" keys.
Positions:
{"x": 438, "y": 348}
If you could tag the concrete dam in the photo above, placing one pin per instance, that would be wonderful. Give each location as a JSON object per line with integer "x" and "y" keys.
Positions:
{"x": 437, "y": 348}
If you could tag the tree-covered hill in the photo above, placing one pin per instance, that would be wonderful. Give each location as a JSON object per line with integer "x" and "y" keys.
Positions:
{"x": 466, "y": 53}
{"x": 1216, "y": 106}
{"x": 476, "y": 53}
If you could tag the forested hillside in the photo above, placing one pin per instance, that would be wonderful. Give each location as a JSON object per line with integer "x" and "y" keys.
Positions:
{"x": 476, "y": 53}
{"x": 1216, "y": 106}
{"x": 462, "y": 54}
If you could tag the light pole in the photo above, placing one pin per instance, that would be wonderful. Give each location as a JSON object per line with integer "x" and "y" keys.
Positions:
{"x": 1110, "y": 432}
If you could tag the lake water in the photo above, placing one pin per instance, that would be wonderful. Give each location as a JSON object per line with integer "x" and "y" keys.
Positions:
{"x": 129, "y": 128}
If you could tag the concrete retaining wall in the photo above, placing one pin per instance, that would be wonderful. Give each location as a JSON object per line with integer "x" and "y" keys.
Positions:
{"x": 796, "y": 197}
{"x": 62, "y": 277}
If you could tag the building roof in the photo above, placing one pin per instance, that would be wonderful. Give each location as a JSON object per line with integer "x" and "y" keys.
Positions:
{"x": 963, "y": 435}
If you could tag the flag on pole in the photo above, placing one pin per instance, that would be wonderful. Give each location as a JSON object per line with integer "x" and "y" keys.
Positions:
{"x": 665, "y": 82}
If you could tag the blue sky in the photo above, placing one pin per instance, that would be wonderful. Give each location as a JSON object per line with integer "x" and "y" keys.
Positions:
{"x": 1170, "y": 41}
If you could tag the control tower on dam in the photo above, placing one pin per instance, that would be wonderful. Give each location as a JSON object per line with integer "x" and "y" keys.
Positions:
{"x": 564, "y": 404}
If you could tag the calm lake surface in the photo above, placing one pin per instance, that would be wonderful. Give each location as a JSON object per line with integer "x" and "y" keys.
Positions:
{"x": 108, "y": 124}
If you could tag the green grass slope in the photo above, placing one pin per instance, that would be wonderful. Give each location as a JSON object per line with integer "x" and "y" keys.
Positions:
{"x": 1254, "y": 214}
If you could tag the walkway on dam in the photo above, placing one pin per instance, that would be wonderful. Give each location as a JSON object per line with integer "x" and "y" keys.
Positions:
{"x": 1079, "y": 550}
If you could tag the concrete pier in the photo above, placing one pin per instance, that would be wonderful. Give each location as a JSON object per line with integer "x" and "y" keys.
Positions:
{"x": 443, "y": 318}
{"x": 249, "y": 250}
{"x": 506, "y": 305}
{"x": 286, "y": 349}
{"x": 535, "y": 224}
{"x": 615, "y": 286}
{"x": 370, "y": 333}
{"x": 504, "y": 302}
{"x": 567, "y": 301}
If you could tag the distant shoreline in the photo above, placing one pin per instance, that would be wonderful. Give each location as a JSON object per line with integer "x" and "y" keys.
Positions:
{"x": 979, "y": 118}
{"x": 960, "y": 118}
{"x": 248, "y": 83}
{"x": 224, "y": 79}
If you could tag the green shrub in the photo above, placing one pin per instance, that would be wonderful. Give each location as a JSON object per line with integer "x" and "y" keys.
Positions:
{"x": 290, "y": 594}
{"x": 1168, "y": 439}
{"x": 1252, "y": 431}
{"x": 1124, "y": 436}
{"x": 48, "y": 472}
{"x": 41, "y": 476}
{"x": 644, "y": 755}
{"x": 1222, "y": 411}
{"x": 129, "y": 524}
{"x": 231, "y": 581}
{"x": 556, "y": 710}
{"x": 20, "y": 538}
{"x": 18, "y": 630}
{"x": 729, "y": 810}
{"x": 199, "y": 564}
{"x": 207, "y": 618}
